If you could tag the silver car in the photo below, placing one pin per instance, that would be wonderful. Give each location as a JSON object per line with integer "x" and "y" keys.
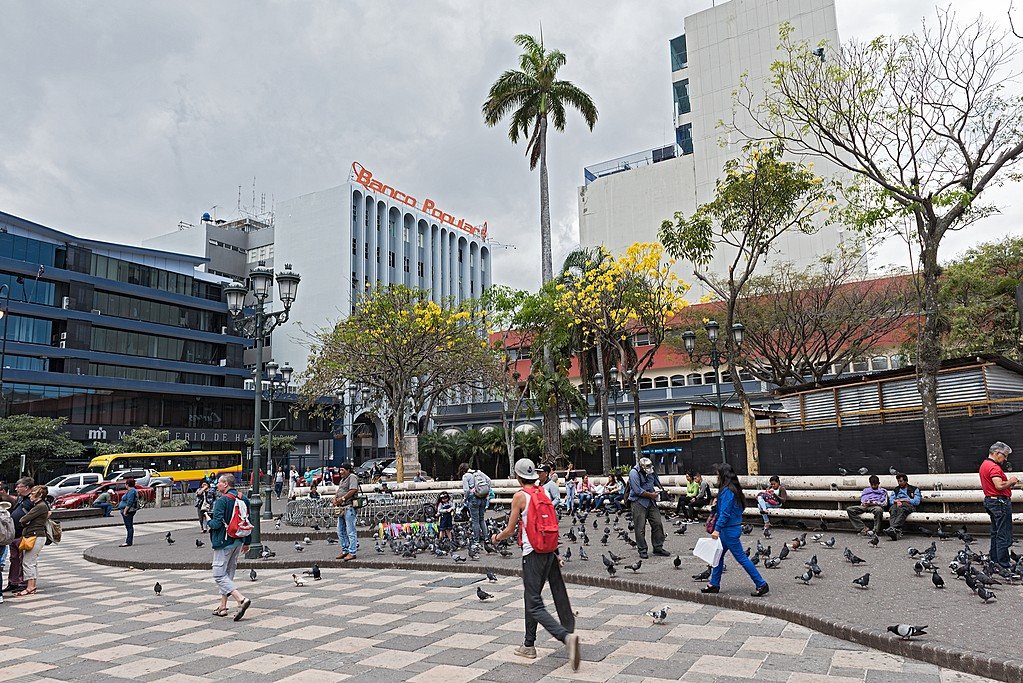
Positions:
{"x": 70, "y": 483}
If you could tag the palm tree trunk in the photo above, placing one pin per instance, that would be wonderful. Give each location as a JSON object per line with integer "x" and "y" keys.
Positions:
{"x": 551, "y": 417}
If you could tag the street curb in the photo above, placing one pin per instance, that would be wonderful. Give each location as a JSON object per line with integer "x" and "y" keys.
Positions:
{"x": 939, "y": 655}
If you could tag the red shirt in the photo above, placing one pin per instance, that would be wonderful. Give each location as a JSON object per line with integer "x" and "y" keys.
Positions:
{"x": 988, "y": 470}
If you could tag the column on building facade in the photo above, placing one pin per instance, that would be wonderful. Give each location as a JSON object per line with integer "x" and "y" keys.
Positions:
{"x": 408, "y": 249}
{"x": 445, "y": 263}
{"x": 463, "y": 268}
{"x": 426, "y": 254}
{"x": 485, "y": 282}
{"x": 372, "y": 267}
{"x": 436, "y": 264}
{"x": 453, "y": 267}
{"x": 359, "y": 234}
{"x": 383, "y": 222}
{"x": 474, "y": 269}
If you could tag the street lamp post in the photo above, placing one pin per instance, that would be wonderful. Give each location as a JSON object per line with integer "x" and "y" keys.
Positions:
{"x": 278, "y": 377}
{"x": 256, "y": 326}
{"x": 715, "y": 359}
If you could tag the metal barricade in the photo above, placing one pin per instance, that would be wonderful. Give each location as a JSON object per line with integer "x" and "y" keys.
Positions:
{"x": 390, "y": 508}
{"x": 309, "y": 512}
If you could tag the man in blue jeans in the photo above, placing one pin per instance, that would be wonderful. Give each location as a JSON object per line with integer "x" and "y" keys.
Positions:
{"x": 998, "y": 501}
{"x": 347, "y": 491}
{"x": 476, "y": 499}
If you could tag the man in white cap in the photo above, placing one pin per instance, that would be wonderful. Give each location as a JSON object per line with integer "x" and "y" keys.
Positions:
{"x": 539, "y": 565}
{"x": 643, "y": 485}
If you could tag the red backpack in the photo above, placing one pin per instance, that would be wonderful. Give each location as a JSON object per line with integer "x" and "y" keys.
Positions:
{"x": 239, "y": 526}
{"x": 541, "y": 522}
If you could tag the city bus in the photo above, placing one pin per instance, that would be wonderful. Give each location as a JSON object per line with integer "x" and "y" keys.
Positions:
{"x": 183, "y": 466}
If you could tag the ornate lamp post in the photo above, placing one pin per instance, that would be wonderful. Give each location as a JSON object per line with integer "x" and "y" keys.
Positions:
{"x": 715, "y": 358}
{"x": 256, "y": 326}
{"x": 278, "y": 377}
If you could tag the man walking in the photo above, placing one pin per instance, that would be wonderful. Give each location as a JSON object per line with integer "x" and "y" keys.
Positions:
{"x": 539, "y": 567}
{"x": 476, "y": 487}
{"x": 227, "y": 549}
{"x": 643, "y": 500}
{"x": 21, "y": 506}
{"x": 873, "y": 501}
{"x": 347, "y": 492}
{"x": 998, "y": 501}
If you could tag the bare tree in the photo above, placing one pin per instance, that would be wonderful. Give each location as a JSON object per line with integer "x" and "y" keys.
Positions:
{"x": 924, "y": 123}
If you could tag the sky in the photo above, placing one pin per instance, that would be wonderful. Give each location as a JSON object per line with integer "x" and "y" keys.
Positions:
{"x": 121, "y": 118}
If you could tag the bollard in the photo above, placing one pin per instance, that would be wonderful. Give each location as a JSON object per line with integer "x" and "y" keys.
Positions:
{"x": 160, "y": 493}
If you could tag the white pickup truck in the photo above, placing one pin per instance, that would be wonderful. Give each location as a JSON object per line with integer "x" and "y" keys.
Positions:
{"x": 142, "y": 477}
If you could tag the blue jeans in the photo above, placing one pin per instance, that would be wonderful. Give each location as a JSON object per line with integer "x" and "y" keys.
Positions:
{"x": 730, "y": 541}
{"x": 999, "y": 509}
{"x": 129, "y": 526}
{"x": 476, "y": 508}
{"x": 106, "y": 507}
{"x": 764, "y": 507}
{"x": 346, "y": 531}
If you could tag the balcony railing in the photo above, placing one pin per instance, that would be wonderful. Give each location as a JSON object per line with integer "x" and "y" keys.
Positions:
{"x": 628, "y": 162}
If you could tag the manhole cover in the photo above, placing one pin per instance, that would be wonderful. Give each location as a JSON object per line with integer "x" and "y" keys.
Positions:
{"x": 456, "y": 581}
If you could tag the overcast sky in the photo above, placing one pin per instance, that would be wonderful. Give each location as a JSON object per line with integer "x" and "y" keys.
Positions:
{"x": 119, "y": 119}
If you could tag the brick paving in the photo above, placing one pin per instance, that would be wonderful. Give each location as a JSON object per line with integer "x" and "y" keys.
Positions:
{"x": 93, "y": 622}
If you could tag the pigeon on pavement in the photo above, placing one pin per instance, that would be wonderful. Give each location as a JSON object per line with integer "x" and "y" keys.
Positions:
{"x": 157, "y": 588}
{"x": 252, "y": 575}
{"x": 298, "y": 581}
{"x": 482, "y": 594}
{"x": 805, "y": 577}
{"x": 491, "y": 577}
{"x": 984, "y": 594}
{"x": 659, "y": 615}
{"x": 677, "y": 562}
{"x": 863, "y": 580}
{"x": 908, "y": 631}
{"x": 937, "y": 580}
{"x": 198, "y": 543}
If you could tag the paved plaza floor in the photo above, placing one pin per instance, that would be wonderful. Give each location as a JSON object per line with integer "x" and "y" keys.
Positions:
{"x": 93, "y": 622}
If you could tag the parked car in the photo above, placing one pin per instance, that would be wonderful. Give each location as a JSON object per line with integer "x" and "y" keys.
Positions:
{"x": 84, "y": 497}
{"x": 365, "y": 470}
{"x": 142, "y": 477}
{"x": 69, "y": 483}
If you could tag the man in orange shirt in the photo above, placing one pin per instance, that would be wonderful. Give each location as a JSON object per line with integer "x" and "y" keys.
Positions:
{"x": 998, "y": 501}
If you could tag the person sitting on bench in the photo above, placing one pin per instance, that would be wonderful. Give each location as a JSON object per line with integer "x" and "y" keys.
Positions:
{"x": 774, "y": 496}
{"x": 873, "y": 501}
{"x": 904, "y": 501}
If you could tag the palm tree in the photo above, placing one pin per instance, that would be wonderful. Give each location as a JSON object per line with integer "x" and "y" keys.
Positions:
{"x": 533, "y": 97}
{"x": 577, "y": 442}
{"x": 473, "y": 447}
{"x": 439, "y": 449}
{"x": 497, "y": 447}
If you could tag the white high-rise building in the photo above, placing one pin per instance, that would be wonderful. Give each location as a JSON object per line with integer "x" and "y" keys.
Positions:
{"x": 625, "y": 200}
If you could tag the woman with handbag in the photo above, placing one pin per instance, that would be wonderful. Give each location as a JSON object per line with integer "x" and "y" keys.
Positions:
{"x": 727, "y": 528}
{"x": 128, "y": 506}
{"x": 33, "y": 538}
{"x": 204, "y": 499}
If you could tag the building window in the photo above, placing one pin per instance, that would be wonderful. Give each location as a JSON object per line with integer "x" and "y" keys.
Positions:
{"x": 422, "y": 240}
{"x": 681, "y": 89}
{"x": 406, "y": 267}
{"x": 709, "y": 378}
{"x": 355, "y": 249}
{"x": 694, "y": 379}
{"x": 419, "y": 266}
{"x": 367, "y": 254}
{"x": 679, "y": 53}
{"x": 406, "y": 234}
{"x": 678, "y": 381}
{"x": 684, "y": 138}
{"x": 378, "y": 254}
{"x": 641, "y": 339}
{"x": 646, "y": 383}
{"x": 661, "y": 382}
{"x": 390, "y": 259}
{"x": 879, "y": 363}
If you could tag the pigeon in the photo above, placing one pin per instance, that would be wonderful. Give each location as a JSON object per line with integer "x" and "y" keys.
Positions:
{"x": 491, "y": 577}
{"x": 918, "y": 568}
{"x": 863, "y": 471}
{"x": 458, "y": 558}
{"x": 659, "y": 615}
{"x": 610, "y": 569}
{"x": 908, "y": 631}
{"x": 298, "y": 547}
{"x": 635, "y": 567}
{"x": 747, "y": 529}
{"x": 582, "y": 554}
{"x": 568, "y": 554}
{"x": 863, "y": 580}
{"x": 252, "y": 575}
{"x": 892, "y": 471}
{"x": 985, "y": 594}
{"x": 702, "y": 576}
{"x": 332, "y": 540}
{"x": 198, "y": 543}
{"x": 912, "y": 552}
{"x": 937, "y": 580}
{"x": 277, "y": 524}
{"x": 811, "y": 562}
{"x": 307, "y": 540}
{"x": 783, "y": 553}
{"x": 157, "y": 588}
{"x": 614, "y": 558}
{"x": 842, "y": 471}
{"x": 170, "y": 541}
{"x": 874, "y": 540}
{"x": 677, "y": 562}
{"x": 801, "y": 525}
{"x": 594, "y": 524}
{"x": 772, "y": 563}
{"x": 854, "y": 559}
{"x": 603, "y": 539}
{"x": 482, "y": 594}
{"x": 298, "y": 581}
{"x": 822, "y": 526}
{"x": 314, "y": 572}
{"x": 830, "y": 543}
{"x": 767, "y": 533}
{"x": 805, "y": 577}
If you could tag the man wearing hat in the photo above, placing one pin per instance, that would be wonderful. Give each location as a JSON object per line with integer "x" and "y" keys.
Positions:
{"x": 643, "y": 483}
{"x": 347, "y": 491}
{"x": 539, "y": 568}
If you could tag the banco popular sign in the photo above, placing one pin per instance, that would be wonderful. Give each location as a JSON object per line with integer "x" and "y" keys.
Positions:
{"x": 364, "y": 177}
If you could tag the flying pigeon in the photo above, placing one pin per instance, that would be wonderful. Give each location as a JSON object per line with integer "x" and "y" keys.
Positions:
{"x": 482, "y": 594}
{"x": 863, "y": 580}
{"x": 908, "y": 631}
{"x": 298, "y": 581}
{"x": 252, "y": 575}
{"x": 659, "y": 615}
{"x": 198, "y": 543}
{"x": 157, "y": 588}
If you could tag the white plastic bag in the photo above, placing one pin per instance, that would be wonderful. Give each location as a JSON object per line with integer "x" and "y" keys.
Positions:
{"x": 709, "y": 550}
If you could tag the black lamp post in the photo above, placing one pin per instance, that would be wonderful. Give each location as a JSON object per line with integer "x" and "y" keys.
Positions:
{"x": 278, "y": 378}
{"x": 715, "y": 359}
{"x": 256, "y": 326}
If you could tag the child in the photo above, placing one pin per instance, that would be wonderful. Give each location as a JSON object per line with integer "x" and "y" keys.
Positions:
{"x": 445, "y": 512}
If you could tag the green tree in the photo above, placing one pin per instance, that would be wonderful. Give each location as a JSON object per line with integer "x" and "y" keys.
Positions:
{"x": 37, "y": 439}
{"x": 473, "y": 447}
{"x": 529, "y": 445}
{"x": 282, "y": 447}
{"x": 925, "y": 124}
{"x": 978, "y": 298}
{"x": 144, "y": 439}
{"x": 410, "y": 351}
{"x": 439, "y": 450}
{"x": 534, "y": 98}
{"x": 577, "y": 443}
{"x": 760, "y": 198}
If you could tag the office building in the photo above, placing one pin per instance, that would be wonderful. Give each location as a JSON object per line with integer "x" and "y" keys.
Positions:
{"x": 625, "y": 200}
{"x": 114, "y": 337}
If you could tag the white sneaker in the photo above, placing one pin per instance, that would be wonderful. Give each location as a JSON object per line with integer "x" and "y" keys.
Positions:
{"x": 528, "y": 652}
{"x": 572, "y": 646}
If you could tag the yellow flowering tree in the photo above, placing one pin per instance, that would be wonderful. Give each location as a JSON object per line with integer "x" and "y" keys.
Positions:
{"x": 409, "y": 351}
{"x": 760, "y": 198}
{"x": 609, "y": 298}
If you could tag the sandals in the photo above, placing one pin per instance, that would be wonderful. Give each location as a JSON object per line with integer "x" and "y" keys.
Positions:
{"x": 242, "y": 608}
{"x": 21, "y": 594}
{"x": 220, "y": 612}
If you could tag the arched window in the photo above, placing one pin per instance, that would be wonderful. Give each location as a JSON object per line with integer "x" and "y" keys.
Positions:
{"x": 694, "y": 379}
{"x": 646, "y": 383}
{"x": 709, "y": 378}
{"x": 678, "y": 380}
{"x": 879, "y": 363}
{"x": 661, "y": 382}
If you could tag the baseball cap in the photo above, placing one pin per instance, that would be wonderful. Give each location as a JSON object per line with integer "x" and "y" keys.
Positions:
{"x": 345, "y": 466}
{"x": 525, "y": 469}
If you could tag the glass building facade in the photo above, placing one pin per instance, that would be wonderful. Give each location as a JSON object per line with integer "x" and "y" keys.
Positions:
{"x": 114, "y": 337}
